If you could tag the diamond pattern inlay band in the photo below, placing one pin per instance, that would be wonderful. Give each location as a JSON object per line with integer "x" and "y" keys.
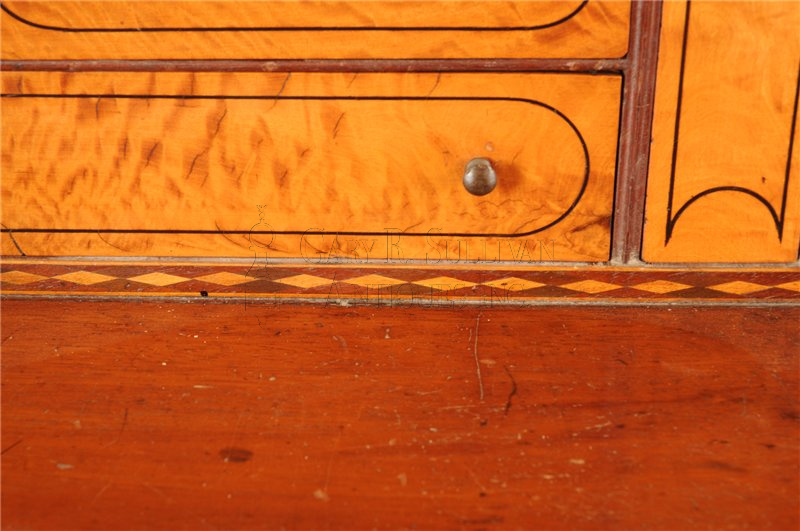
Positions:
{"x": 20, "y": 277}
{"x": 225, "y": 278}
{"x": 374, "y": 281}
{"x": 793, "y": 286}
{"x": 444, "y": 283}
{"x": 661, "y": 286}
{"x": 591, "y": 286}
{"x": 513, "y": 284}
{"x": 305, "y": 281}
{"x": 85, "y": 278}
{"x": 158, "y": 279}
{"x": 738, "y": 287}
{"x": 594, "y": 284}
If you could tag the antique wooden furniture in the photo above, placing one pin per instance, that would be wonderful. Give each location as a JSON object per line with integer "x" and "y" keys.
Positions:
{"x": 450, "y": 165}
{"x": 188, "y": 156}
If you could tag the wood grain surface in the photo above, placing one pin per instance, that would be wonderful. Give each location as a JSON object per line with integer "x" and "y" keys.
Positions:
{"x": 324, "y": 154}
{"x": 314, "y": 30}
{"x": 342, "y": 279}
{"x": 614, "y": 66}
{"x": 636, "y": 122}
{"x": 724, "y": 182}
{"x": 194, "y": 416}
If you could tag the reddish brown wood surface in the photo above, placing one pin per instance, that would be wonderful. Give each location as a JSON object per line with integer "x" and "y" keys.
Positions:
{"x": 636, "y": 122}
{"x": 325, "y": 65}
{"x": 215, "y": 416}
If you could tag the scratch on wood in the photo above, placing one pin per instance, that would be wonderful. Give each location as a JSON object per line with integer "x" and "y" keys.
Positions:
{"x": 336, "y": 127}
{"x": 11, "y": 447}
{"x": 14, "y": 241}
{"x": 111, "y": 244}
{"x": 475, "y": 354}
{"x": 475, "y": 478}
{"x": 280, "y": 91}
{"x": 436, "y": 84}
{"x": 150, "y": 154}
{"x": 153, "y": 489}
{"x": 283, "y": 86}
{"x": 124, "y": 423}
{"x": 412, "y": 226}
{"x": 100, "y": 492}
{"x": 121, "y": 429}
{"x": 341, "y": 341}
{"x": 194, "y": 160}
{"x": 219, "y": 122}
{"x": 224, "y": 235}
{"x": 512, "y": 392}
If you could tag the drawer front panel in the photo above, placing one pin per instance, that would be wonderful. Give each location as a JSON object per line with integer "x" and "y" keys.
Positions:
{"x": 325, "y": 29}
{"x": 319, "y": 159}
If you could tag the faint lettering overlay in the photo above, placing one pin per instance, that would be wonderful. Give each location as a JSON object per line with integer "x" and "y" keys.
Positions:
{"x": 318, "y": 247}
{"x": 275, "y": 283}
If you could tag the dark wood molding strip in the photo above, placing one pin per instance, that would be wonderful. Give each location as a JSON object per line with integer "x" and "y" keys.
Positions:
{"x": 635, "y": 127}
{"x": 324, "y": 65}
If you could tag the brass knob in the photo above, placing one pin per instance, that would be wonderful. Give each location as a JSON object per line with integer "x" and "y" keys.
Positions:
{"x": 479, "y": 177}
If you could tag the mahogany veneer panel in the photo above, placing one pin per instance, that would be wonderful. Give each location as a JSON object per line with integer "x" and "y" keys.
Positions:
{"x": 210, "y": 415}
{"x": 314, "y": 30}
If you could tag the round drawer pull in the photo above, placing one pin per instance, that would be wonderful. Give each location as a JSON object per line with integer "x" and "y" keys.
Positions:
{"x": 479, "y": 177}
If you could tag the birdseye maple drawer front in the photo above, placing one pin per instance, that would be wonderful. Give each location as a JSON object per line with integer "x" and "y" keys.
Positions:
{"x": 176, "y": 164}
{"x": 280, "y": 29}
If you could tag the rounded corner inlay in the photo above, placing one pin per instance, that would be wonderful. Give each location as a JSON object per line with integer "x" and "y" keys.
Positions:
{"x": 576, "y": 7}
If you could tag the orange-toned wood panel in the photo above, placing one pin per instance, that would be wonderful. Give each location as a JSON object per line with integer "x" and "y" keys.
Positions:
{"x": 7, "y": 245}
{"x": 321, "y": 154}
{"x": 178, "y": 416}
{"x": 325, "y": 29}
{"x": 724, "y": 182}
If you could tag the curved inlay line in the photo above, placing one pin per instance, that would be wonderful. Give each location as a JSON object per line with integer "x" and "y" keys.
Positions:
{"x": 778, "y": 218}
{"x": 50, "y": 27}
{"x": 761, "y": 199}
{"x": 561, "y": 115}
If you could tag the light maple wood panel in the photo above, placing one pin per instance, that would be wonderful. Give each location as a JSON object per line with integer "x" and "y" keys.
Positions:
{"x": 7, "y": 247}
{"x": 200, "y": 15}
{"x": 323, "y": 154}
{"x": 324, "y": 29}
{"x": 724, "y": 182}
